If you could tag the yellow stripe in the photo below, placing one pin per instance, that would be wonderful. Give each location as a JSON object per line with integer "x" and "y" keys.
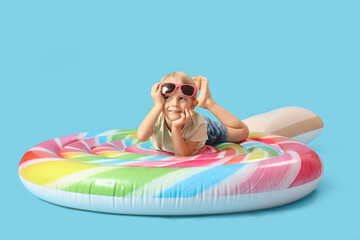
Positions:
{"x": 258, "y": 135}
{"x": 75, "y": 154}
{"x": 255, "y": 155}
{"x": 45, "y": 172}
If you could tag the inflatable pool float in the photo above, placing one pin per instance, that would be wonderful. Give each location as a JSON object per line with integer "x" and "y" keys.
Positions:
{"x": 112, "y": 171}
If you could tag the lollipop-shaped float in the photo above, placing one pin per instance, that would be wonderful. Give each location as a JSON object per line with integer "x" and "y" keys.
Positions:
{"x": 112, "y": 171}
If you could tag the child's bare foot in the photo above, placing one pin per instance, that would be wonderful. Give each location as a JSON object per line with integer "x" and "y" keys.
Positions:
{"x": 205, "y": 99}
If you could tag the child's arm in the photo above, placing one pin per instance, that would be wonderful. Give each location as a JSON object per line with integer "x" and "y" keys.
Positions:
{"x": 237, "y": 130}
{"x": 146, "y": 128}
{"x": 182, "y": 148}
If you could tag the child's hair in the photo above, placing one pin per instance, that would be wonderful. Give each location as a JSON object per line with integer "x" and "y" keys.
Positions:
{"x": 181, "y": 77}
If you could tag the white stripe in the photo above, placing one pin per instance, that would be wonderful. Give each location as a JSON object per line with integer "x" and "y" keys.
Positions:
{"x": 266, "y": 137}
{"x": 193, "y": 157}
{"x": 246, "y": 158}
{"x": 221, "y": 154}
{"x": 82, "y": 135}
{"x": 79, "y": 155}
{"x": 74, "y": 148}
{"x": 231, "y": 182}
{"x": 291, "y": 174}
{"x": 258, "y": 179}
{"x": 103, "y": 148}
{"x": 170, "y": 163}
{"x": 42, "y": 150}
{"x": 143, "y": 158}
{"x": 57, "y": 140}
{"x": 86, "y": 145}
{"x": 97, "y": 143}
{"x": 117, "y": 147}
{"x": 109, "y": 133}
{"x": 276, "y": 146}
{"x": 102, "y": 161}
{"x": 118, "y": 154}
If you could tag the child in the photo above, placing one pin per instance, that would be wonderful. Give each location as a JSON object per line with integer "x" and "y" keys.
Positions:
{"x": 173, "y": 126}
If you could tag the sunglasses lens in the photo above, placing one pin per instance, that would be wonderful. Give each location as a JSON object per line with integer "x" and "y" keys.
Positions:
{"x": 168, "y": 88}
{"x": 187, "y": 90}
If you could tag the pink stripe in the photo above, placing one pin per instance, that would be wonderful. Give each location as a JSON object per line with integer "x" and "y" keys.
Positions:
{"x": 194, "y": 163}
{"x": 137, "y": 149}
{"x": 119, "y": 144}
{"x": 266, "y": 177}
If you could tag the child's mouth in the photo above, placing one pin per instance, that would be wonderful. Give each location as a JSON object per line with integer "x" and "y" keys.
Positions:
{"x": 174, "y": 111}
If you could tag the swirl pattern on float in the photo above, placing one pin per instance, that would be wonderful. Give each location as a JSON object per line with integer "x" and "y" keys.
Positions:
{"x": 116, "y": 164}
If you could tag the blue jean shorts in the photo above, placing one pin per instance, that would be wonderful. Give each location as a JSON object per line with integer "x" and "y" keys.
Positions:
{"x": 215, "y": 131}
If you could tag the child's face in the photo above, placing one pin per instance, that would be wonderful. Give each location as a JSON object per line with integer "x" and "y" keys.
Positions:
{"x": 176, "y": 103}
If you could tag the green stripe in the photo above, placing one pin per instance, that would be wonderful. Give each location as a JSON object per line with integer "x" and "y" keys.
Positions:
{"x": 271, "y": 151}
{"x": 121, "y": 134}
{"x": 118, "y": 182}
{"x": 241, "y": 150}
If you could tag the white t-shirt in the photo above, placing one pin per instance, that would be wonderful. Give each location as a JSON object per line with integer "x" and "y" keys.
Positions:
{"x": 194, "y": 130}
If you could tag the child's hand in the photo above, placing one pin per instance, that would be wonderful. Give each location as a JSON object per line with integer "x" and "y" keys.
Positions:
{"x": 156, "y": 94}
{"x": 185, "y": 117}
{"x": 205, "y": 99}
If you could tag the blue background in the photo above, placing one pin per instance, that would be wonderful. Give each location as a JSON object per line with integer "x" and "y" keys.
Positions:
{"x": 76, "y": 66}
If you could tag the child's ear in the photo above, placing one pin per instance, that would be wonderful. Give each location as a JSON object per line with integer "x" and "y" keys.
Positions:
{"x": 194, "y": 104}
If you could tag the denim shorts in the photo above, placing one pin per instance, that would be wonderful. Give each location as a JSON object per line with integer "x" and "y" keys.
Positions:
{"x": 215, "y": 130}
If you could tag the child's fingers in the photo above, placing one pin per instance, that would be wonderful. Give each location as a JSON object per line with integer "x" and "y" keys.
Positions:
{"x": 186, "y": 113}
{"x": 155, "y": 87}
{"x": 197, "y": 82}
{"x": 189, "y": 114}
{"x": 205, "y": 82}
{"x": 159, "y": 89}
{"x": 183, "y": 116}
{"x": 202, "y": 78}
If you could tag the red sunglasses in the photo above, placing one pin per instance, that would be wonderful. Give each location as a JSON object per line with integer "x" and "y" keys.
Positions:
{"x": 186, "y": 89}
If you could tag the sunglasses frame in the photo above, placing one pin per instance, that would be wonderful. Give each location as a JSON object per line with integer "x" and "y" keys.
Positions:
{"x": 179, "y": 86}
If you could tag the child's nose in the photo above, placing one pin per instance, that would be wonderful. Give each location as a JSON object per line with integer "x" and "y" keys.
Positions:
{"x": 174, "y": 101}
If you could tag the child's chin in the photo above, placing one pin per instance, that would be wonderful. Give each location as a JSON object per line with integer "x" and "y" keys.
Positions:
{"x": 174, "y": 117}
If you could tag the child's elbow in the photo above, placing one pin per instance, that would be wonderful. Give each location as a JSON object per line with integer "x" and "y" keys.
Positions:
{"x": 141, "y": 137}
{"x": 181, "y": 154}
{"x": 246, "y": 133}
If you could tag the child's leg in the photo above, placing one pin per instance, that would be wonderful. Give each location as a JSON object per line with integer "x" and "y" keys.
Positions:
{"x": 237, "y": 130}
